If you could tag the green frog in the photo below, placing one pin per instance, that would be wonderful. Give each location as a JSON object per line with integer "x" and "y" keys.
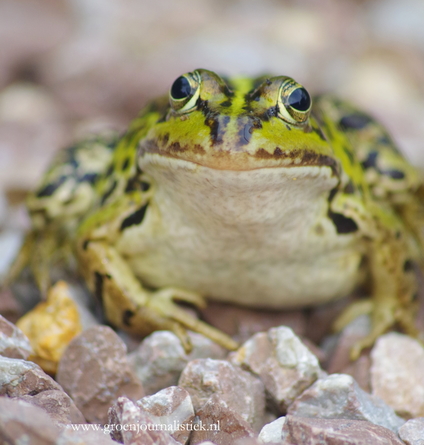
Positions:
{"x": 242, "y": 190}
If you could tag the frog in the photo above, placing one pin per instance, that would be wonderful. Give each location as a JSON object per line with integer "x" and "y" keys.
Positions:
{"x": 241, "y": 190}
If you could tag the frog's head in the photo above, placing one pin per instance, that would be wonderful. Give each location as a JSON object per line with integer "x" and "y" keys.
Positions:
{"x": 236, "y": 124}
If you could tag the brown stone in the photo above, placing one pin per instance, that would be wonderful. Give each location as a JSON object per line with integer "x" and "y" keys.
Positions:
{"x": 282, "y": 362}
{"x": 397, "y": 373}
{"x": 219, "y": 423}
{"x": 13, "y": 343}
{"x": 338, "y": 396}
{"x": 340, "y": 357}
{"x": 171, "y": 406}
{"x": 412, "y": 432}
{"x": 21, "y": 422}
{"x": 94, "y": 372}
{"x": 131, "y": 425}
{"x": 304, "y": 431}
{"x": 58, "y": 405}
{"x": 240, "y": 390}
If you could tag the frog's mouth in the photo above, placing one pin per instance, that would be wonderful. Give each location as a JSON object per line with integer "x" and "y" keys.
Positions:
{"x": 229, "y": 158}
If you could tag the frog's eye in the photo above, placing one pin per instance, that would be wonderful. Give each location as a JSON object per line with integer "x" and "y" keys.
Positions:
{"x": 294, "y": 102}
{"x": 184, "y": 92}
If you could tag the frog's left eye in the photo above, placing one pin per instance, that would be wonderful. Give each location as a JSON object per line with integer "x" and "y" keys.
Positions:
{"x": 294, "y": 102}
{"x": 184, "y": 92}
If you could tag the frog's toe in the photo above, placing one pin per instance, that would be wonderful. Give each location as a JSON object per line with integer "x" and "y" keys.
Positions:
{"x": 356, "y": 309}
{"x": 162, "y": 303}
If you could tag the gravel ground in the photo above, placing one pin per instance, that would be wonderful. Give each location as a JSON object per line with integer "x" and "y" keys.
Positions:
{"x": 73, "y": 67}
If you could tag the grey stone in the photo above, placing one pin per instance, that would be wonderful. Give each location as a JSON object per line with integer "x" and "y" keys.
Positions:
{"x": 13, "y": 342}
{"x": 412, "y": 432}
{"x": 283, "y": 363}
{"x": 160, "y": 358}
{"x": 272, "y": 432}
{"x": 171, "y": 406}
{"x": 338, "y": 396}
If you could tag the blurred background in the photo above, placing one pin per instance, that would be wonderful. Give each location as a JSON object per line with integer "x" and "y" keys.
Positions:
{"x": 71, "y": 67}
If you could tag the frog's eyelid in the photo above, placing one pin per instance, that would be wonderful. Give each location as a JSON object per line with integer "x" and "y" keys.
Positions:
{"x": 288, "y": 112}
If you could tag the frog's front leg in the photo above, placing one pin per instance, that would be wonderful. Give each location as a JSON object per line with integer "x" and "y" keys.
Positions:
{"x": 126, "y": 303}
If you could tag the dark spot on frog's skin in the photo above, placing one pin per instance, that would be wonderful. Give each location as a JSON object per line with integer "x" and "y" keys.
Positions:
{"x": 176, "y": 147}
{"x": 85, "y": 244}
{"x": 371, "y": 161}
{"x": 288, "y": 127}
{"x": 355, "y": 121}
{"x": 343, "y": 224}
{"x": 305, "y": 157}
{"x": 318, "y": 131}
{"x": 198, "y": 149}
{"x": 49, "y": 189}
{"x": 165, "y": 138}
{"x": 269, "y": 113}
{"x": 217, "y": 125}
{"x": 350, "y": 188}
{"x": 394, "y": 174}
{"x": 408, "y": 266}
{"x": 125, "y": 164}
{"x": 98, "y": 287}
{"x": 246, "y": 129}
{"x": 349, "y": 153}
{"x": 385, "y": 140}
{"x": 134, "y": 219}
{"x": 332, "y": 194}
{"x": 109, "y": 191}
{"x": 110, "y": 170}
{"x": 89, "y": 177}
{"x": 134, "y": 184}
{"x": 226, "y": 104}
{"x": 126, "y": 317}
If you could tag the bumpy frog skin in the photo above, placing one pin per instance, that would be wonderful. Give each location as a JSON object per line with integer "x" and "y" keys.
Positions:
{"x": 238, "y": 190}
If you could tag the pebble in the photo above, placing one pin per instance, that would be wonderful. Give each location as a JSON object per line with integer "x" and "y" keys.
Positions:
{"x": 412, "y": 432}
{"x": 306, "y": 431}
{"x": 22, "y": 423}
{"x": 338, "y": 396}
{"x": 173, "y": 407}
{"x": 219, "y": 423}
{"x": 141, "y": 427}
{"x": 13, "y": 343}
{"x": 282, "y": 362}
{"x": 160, "y": 358}
{"x": 51, "y": 325}
{"x": 272, "y": 432}
{"x": 94, "y": 371}
{"x": 397, "y": 374}
{"x": 240, "y": 390}
{"x": 28, "y": 382}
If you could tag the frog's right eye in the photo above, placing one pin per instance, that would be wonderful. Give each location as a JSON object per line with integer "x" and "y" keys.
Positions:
{"x": 184, "y": 92}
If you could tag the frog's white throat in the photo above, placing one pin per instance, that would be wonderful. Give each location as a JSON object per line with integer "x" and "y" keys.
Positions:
{"x": 266, "y": 196}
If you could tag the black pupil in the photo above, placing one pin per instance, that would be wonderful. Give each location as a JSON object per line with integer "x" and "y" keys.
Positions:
{"x": 181, "y": 88}
{"x": 299, "y": 99}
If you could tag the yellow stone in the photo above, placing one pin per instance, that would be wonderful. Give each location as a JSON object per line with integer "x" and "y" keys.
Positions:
{"x": 50, "y": 326}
